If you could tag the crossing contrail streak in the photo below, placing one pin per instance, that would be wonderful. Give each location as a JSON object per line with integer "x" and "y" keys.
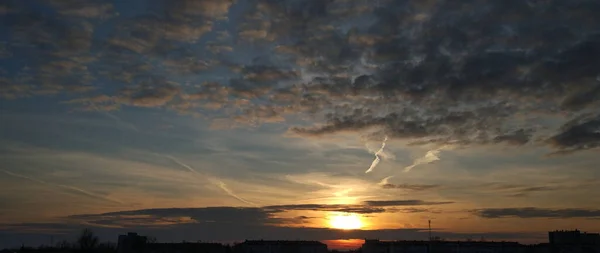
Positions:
{"x": 213, "y": 180}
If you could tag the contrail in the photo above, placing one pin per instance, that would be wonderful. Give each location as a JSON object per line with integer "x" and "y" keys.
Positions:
{"x": 65, "y": 187}
{"x": 182, "y": 164}
{"x": 213, "y": 180}
{"x": 115, "y": 117}
{"x": 223, "y": 186}
{"x": 377, "y": 154}
{"x": 430, "y": 156}
{"x": 119, "y": 120}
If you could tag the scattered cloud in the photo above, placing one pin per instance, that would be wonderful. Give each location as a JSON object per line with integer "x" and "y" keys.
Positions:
{"x": 168, "y": 216}
{"x": 383, "y": 203}
{"x": 411, "y": 187}
{"x": 532, "y": 212}
{"x": 579, "y": 134}
{"x": 89, "y": 9}
{"x": 439, "y": 78}
{"x": 519, "y": 137}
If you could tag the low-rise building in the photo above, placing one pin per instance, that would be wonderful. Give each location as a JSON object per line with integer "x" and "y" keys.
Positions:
{"x": 376, "y": 246}
{"x": 186, "y": 247}
{"x": 131, "y": 243}
{"x": 574, "y": 241}
{"x": 262, "y": 246}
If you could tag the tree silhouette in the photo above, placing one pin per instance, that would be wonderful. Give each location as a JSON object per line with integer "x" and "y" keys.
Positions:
{"x": 151, "y": 239}
{"x": 87, "y": 240}
{"x": 64, "y": 244}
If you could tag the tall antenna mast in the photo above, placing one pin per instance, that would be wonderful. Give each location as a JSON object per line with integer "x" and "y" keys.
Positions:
{"x": 430, "y": 238}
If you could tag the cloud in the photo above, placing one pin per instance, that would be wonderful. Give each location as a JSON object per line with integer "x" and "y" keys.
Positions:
{"x": 242, "y": 215}
{"x": 89, "y": 9}
{"x": 208, "y": 8}
{"x": 432, "y": 76}
{"x": 411, "y": 187}
{"x": 154, "y": 217}
{"x": 579, "y": 134}
{"x": 532, "y": 212}
{"x": 516, "y": 190}
{"x": 383, "y": 203}
{"x": 519, "y": 137}
{"x": 523, "y": 192}
{"x": 263, "y": 216}
{"x": 145, "y": 94}
{"x": 328, "y": 208}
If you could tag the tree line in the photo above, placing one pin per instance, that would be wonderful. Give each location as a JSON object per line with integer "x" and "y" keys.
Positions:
{"x": 85, "y": 242}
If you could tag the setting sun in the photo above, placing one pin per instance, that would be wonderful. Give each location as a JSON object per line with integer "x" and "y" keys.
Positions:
{"x": 345, "y": 221}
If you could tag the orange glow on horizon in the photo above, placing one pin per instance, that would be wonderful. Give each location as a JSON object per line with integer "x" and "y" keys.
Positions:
{"x": 348, "y": 244}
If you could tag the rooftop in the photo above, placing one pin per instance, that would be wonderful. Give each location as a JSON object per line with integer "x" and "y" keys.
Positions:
{"x": 259, "y": 242}
{"x": 406, "y": 242}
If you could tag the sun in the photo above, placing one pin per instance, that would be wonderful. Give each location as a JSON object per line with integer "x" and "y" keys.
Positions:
{"x": 345, "y": 221}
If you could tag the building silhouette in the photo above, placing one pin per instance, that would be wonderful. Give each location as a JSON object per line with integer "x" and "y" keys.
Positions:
{"x": 377, "y": 246}
{"x": 131, "y": 243}
{"x": 573, "y": 241}
{"x": 559, "y": 242}
{"x": 134, "y": 243}
{"x": 262, "y": 246}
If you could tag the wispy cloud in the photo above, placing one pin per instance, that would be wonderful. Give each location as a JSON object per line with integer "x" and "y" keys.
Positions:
{"x": 66, "y": 188}
{"x": 411, "y": 187}
{"x": 533, "y": 212}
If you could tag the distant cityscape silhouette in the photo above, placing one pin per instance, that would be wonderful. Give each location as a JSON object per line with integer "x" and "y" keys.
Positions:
{"x": 559, "y": 241}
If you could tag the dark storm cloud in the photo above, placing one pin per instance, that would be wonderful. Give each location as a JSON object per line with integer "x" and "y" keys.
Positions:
{"x": 427, "y": 72}
{"x": 532, "y": 212}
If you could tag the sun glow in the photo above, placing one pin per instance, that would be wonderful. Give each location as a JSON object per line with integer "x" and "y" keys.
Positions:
{"x": 345, "y": 221}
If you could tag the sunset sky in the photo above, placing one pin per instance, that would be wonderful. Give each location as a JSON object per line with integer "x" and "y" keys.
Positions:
{"x": 224, "y": 120}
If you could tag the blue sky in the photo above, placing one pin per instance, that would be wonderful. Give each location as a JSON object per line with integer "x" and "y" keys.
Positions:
{"x": 264, "y": 117}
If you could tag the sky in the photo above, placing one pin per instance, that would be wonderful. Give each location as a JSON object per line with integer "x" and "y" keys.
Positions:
{"x": 225, "y": 120}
